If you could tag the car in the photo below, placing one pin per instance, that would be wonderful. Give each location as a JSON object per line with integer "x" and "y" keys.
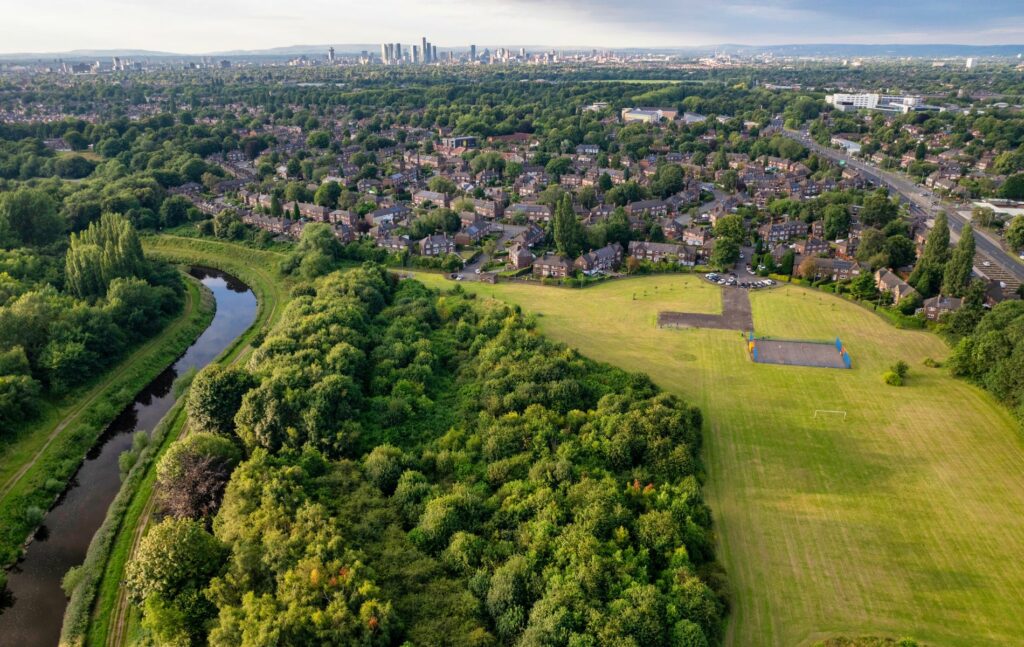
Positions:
{"x": 741, "y": 256}
{"x": 458, "y": 277}
{"x": 453, "y": 276}
{"x": 478, "y": 270}
{"x": 721, "y": 281}
{"x": 986, "y": 263}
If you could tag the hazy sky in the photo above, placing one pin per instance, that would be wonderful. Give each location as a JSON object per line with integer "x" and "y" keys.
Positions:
{"x": 195, "y": 26}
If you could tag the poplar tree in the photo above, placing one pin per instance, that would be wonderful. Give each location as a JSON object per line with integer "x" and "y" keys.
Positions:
{"x": 927, "y": 275}
{"x": 958, "y": 269}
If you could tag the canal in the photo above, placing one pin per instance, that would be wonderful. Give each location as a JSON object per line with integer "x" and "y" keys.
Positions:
{"x": 35, "y": 598}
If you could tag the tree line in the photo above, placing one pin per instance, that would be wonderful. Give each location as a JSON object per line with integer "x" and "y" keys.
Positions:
{"x": 424, "y": 469}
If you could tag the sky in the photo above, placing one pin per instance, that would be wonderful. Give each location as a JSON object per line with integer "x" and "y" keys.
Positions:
{"x": 205, "y": 26}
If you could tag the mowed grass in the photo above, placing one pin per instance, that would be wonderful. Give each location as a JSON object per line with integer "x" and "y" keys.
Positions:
{"x": 904, "y": 518}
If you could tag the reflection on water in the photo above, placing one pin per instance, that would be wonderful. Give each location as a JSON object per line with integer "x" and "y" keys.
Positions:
{"x": 31, "y": 614}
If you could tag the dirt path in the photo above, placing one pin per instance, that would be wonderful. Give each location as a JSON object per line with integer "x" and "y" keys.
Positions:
{"x": 736, "y": 314}
{"x": 98, "y": 391}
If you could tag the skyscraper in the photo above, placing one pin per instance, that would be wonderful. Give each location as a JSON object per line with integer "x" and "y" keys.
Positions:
{"x": 472, "y": 52}
{"x": 415, "y": 53}
{"x": 433, "y": 53}
{"x": 330, "y": 54}
{"x": 398, "y": 54}
{"x": 425, "y": 50}
{"x": 384, "y": 58}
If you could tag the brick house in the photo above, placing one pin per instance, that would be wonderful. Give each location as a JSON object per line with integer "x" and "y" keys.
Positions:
{"x": 605, "y": 259}
{"x": 437, "y": 199}
{"x": 657, "y": 252}
{"x": 436, "y": 245}
{"x": 552, "y": 265}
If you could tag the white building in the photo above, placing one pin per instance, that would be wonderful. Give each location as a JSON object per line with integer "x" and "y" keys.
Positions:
{"x": 874, "y": 101}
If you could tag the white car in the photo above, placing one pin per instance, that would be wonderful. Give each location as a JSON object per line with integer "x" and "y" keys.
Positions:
{"x": 986, "y": 264}
{"x": 478, "y": 270}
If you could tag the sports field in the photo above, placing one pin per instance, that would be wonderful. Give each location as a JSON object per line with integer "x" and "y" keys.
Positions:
{"x": 906, "y": 518}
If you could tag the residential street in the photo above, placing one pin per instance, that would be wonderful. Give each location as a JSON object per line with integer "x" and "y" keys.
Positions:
{"x": 924, "y": 202}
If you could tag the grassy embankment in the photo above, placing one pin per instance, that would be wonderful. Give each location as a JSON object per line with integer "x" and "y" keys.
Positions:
{"x": 110, "y": 619}
{"x": 36, "y": 465}
{"x": 905, "y": 517}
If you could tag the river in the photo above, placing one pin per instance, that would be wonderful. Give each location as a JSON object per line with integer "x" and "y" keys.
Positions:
{"x": 36, "y": 600}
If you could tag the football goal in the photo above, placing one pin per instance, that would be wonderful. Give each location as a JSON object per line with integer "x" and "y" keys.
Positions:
{"x": 832, "y": 414}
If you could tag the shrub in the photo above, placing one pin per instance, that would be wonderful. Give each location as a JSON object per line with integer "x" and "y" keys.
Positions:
{"x": 34, "y": 515}
{"x": 892, "y": 379}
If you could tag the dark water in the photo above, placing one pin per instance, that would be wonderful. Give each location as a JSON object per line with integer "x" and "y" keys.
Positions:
{"x": 36, "y": 599}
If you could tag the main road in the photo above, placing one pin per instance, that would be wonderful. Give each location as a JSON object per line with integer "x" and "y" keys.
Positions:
{"x": 922, "y": 202}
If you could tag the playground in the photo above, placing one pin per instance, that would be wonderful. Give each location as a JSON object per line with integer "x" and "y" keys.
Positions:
{"x": 798, "y": 353}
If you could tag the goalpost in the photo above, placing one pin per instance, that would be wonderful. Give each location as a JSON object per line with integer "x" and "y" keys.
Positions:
{"x": 829, "y": 414}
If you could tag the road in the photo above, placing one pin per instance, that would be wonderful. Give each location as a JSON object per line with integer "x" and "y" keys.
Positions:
{"x": 923, "y": 202}
{"x": 506, "y": 233}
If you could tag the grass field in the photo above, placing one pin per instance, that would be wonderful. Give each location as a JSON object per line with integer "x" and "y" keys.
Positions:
{"x": 906, "y": 518}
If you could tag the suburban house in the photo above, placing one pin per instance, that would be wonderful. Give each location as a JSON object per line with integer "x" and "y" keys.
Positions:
{"x": 435, "y": 198}
{"x": 657, "y": 252}
{"x": 812, "y": 247}
{"x": 532, "y": 212}
{"x": 654, "y": 208}
{"x": 530, "y": 236}
{"x": 520, "y": 256}
{"x": 835, "y": 269}
{"x": 393, "y": 244}
{"x": 471, "y": 234}
{"x": 780, "y": 232}
{"x": 437, "y": 245}
{"x": 605, "y": 259}
{"x": 886, "y": 281}
{"x": 552, "y": 265}
{"x": 488, "y": 209}
{"x": 345, "y": 217}
{"x": 696, "y": 237}
{"x": 937, "y": 307}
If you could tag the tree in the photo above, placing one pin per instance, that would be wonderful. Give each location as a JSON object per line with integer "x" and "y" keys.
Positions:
{"x": 983, "y": 216}
{"x": 958, "y": 268}
{"x": 318, "y": 139}
{"x": 327, "y": 194}
{"x": 107, "y": 250}
{"x": 174, "y": 211}
{"x": 725, "y": 253}
{"x": 176, "y": 560}
{"x": 879, "y": 209}
{"x": 192, "y": 474}
{"x": 28, "y": 217}
{"x": 787, "y": 262}
{"x": 568, "y": 230}
{"x": 383, "y": 466}
{"x": 1013, "y": 187}
{"x": 731, "y": 227}
{"x": 901, "y": 251}
{"x": 215, "y": 396}
{"x": 441, "y": 184}
{"x": 836, "y": 221}
{"x": 1015, "y": 233}
{"x": 927, "y": 275}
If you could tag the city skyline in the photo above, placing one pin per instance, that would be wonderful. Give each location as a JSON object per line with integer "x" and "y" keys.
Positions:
{"x": 233, "y": 25}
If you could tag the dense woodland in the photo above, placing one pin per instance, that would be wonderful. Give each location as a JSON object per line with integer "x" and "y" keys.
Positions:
{"x": 70, "y": 307}
{"x": 426, "y": 469}
{"x": 991, "y": 353}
